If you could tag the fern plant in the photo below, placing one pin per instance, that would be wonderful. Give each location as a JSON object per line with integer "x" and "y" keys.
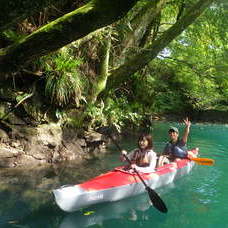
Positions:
{"x": 63, "y": 80}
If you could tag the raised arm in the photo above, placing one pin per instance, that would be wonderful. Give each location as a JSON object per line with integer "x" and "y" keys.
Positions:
{"x": 187, "y": 129}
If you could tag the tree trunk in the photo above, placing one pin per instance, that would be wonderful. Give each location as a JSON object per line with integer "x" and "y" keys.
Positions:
{"x": 100, "y": 83}
{"x": 140, "y": 60}
{"x": 64, "y": 30}
{"x": 140, "y": 23}
{"x": 14, "y": 11}
{"x": 149, "y": 14}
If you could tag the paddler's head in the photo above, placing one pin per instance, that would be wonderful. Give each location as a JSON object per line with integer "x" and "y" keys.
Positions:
{"x": 173, "y": 134}
{"x": 145, "y": 142}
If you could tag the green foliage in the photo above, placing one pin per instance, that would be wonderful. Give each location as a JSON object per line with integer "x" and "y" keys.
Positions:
{"x": 73, "y": 119}
{"x": 119, "y": 112}
{"x": 116, "y": 112}
{"x": 191, "y": 74}
{"x": 12, "y": 35}
{"x": 168, "y": 102}
{"x": 155, "y": 90}
{"x": 94, "y": 114}
{"x": 2, "y": 111}
{"x": 63, "y": 81}
{"x": 198, "y": 57}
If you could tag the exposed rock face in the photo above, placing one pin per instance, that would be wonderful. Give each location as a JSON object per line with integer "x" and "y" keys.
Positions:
{"x": 48, "y": 143}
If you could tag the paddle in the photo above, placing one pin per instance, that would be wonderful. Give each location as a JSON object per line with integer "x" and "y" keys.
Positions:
{"x": 154, "y": 197}
{"x": 203, "y": 161}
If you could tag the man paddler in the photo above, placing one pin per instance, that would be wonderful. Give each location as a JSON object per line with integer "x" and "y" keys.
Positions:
{"x": 176, "y": 147}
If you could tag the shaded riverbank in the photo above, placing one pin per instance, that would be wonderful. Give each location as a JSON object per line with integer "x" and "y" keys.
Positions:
{"x": 201, "y": 116}
{"x": 48, "y": 144}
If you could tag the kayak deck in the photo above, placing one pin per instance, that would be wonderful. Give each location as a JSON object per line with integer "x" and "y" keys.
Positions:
{"x": 119, "y": 177}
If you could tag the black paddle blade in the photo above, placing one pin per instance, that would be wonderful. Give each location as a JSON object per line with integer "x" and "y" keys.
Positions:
{"x": 156, "y": 200}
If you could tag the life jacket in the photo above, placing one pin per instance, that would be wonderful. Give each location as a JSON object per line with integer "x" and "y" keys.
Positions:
{"x": 177, "y": 149}
{"x": 140, "y": 158}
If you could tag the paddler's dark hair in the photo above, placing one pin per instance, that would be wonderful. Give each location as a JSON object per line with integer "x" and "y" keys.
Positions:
{"x": 149, "y": 139}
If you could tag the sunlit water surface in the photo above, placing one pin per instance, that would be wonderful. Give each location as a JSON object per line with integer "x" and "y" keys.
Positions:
{"x": 199, "y": 199}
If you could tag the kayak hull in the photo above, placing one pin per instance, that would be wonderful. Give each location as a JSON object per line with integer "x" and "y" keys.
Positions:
{"x": 118, "y": 184}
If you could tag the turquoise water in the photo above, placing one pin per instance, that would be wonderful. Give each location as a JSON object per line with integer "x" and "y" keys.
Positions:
{"x": 199, "y": 199}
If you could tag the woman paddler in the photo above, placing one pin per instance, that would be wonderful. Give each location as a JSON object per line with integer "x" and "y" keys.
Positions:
{"x": 143, "y": 158}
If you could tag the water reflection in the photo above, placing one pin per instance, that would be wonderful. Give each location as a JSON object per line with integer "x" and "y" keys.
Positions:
{"x": 21, "y": 192}
{"x": 124, "y": 209}
{"x": 26, "y": 193}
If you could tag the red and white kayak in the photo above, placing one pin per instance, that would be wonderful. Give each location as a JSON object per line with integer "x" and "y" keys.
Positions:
{"x": 118, "y": 184}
